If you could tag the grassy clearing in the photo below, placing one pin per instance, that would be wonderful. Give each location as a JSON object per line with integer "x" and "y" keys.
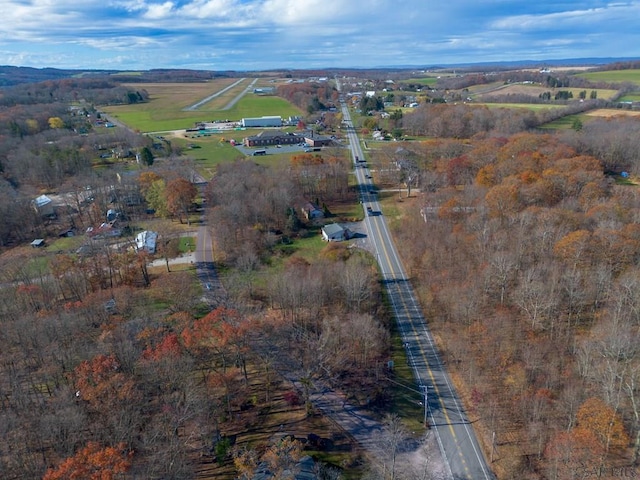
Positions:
{"x": 165, "y": 112}
{"x": 564, "y": 123}
{"x": 613, "y": 76}
{"x": 630, "y": 97}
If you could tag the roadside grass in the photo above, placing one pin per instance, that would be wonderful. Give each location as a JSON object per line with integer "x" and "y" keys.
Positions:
{"x": 613, "y": 76}
{"x": 406, "y": 397}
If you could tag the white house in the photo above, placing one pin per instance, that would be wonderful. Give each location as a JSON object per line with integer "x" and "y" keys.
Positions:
{"x": 335, "y": 233}
{"x": 147, "y": 241}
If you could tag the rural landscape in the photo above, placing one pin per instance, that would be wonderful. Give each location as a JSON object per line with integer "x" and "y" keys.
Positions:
{"x": 321, "y": 274}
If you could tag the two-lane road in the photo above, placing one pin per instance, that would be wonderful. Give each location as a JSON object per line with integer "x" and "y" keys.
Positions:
{"x": 454, "y": 432}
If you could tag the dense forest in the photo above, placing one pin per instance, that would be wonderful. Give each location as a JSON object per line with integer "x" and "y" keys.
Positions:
{"x": 525, "y": 253}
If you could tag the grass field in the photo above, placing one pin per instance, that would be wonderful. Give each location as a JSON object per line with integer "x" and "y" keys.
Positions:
{"x": 630, "y": 97}
{"x": 165, "y": 110}
{"x": 613, "y": 76}
{"x": 478, "y": 91}
{"x": 429, "y": 81}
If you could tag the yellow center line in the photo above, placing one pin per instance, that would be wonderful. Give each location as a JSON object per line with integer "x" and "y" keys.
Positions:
{"x": 422, "y": 353}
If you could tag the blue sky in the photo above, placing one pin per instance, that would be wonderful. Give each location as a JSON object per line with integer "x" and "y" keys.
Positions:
{"x": 264, "y": 34}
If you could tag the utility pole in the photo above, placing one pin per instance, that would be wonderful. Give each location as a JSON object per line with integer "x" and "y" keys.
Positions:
{"x": 426, "y": 405}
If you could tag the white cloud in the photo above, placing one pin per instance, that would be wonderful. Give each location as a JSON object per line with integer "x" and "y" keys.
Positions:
{"x": 608, "y": 16}
{"x": 159, "y": 11}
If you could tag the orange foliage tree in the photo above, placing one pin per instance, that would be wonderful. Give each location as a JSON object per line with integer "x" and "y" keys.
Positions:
{"x": 93, "y": 462}
{"x": 101, "y": 383}
{"x": 604, "y": 422}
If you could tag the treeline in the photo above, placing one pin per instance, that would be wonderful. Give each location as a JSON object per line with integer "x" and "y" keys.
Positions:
{"x": 464, "y": 121}
{"x": 93, "y": 91}
{"x": 309, "y": 97}
{"x": 550, "y": 79}
{"x": 171, "y": 76}
{"x": 526, "y": 254}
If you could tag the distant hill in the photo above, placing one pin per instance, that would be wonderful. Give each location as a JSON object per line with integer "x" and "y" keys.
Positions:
{"x": 10, "y": 75}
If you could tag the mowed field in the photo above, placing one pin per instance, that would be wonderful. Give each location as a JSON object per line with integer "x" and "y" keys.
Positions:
{"x": 613, "y": 76}
{"x": 165, "y": 110}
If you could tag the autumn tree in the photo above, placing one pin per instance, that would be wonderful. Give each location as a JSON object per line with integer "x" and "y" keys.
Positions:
{"x": 93, "y": 462}
{"x": 180, "y": 194}
{"x": 604, "y": 422}
{"x": 101, "y": 383}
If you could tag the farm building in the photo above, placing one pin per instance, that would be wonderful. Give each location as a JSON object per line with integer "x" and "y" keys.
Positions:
{"x": 273, "y": 137}
{"x": 265, "y": 121}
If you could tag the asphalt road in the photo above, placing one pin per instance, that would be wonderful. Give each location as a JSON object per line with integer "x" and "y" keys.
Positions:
{"x": 456, "y": 438}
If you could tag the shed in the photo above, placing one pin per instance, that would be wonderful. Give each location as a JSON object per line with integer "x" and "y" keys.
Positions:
{"x": 311, "y": 211}
{"x": 43, "y": 205}
{"x": 38, "y": 242}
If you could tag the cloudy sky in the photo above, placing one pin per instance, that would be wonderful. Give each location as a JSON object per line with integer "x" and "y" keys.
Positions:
{"x": 263, "y": 34}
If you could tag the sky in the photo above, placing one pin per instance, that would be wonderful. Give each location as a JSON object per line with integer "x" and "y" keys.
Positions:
{"x": 249, "y": 35}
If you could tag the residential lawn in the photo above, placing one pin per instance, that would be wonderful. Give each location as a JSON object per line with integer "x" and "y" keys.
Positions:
{"x": 613, "y": 76}
{"x": 187, "y": 244}
{"x": 65, "y": 244}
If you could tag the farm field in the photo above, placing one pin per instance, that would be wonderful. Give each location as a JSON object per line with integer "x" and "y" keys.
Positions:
{"x": 529, "y": 106}
{"x": 614, "y": 76}
{"x": 536, "y": 90}
{"x": 429, "y": 81}
{"x": 165, "y": 110}
{"x": 612, "y": 112}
